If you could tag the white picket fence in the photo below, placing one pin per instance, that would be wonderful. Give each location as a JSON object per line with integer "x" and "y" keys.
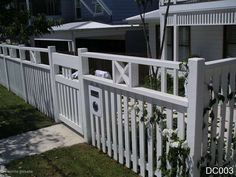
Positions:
{"x": 29, "y": 79}
{"x": 116, "y": 115}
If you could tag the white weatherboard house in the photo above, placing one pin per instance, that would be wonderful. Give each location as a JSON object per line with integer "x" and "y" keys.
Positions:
{"x": 202, "y": 28}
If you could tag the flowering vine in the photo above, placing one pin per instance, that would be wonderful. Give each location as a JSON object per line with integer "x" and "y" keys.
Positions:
{"x": 175, "y": 151}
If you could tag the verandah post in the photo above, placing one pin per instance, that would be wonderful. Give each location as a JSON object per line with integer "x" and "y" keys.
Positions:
{"x": 53, "y": 70}
{"x": 195, "y": 112}
{"x": 84, "y": 102}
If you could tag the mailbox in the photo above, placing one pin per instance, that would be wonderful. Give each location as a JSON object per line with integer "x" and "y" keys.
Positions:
{"x": 95, "y": 100}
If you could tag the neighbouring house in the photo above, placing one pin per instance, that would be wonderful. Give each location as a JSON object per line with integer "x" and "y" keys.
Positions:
{"x": 194, "y": 28}
{"x": 95, "y": 36}
{"x": 104, "y": 11}
{"x": 53, "y": 9}
{"x": 98, "y": 25}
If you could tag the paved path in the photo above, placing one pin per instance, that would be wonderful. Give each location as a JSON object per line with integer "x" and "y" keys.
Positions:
{"x": 36, "y": 142}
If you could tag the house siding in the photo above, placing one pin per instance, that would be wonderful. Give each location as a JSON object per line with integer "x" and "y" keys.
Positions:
{"x": 207, "y": 42}
{"x": 87, "y": 16}
{"x": 67, "y": 10}
{"x": 120, "y": 10}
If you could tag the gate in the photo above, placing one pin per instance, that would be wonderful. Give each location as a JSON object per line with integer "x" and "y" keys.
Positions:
{"x": 67, "y": 90}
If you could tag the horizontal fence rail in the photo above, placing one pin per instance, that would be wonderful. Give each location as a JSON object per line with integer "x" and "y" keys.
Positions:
{"x": 125, "y": 70}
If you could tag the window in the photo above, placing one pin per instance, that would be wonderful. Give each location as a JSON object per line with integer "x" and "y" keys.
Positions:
{"x": 184, "y": 42}
{"x": 158, "y": 45}
{"x": 97, "y": 8}
{"x": 78, "y": 9}
{"x": 170, "y": 42}
{"x": 230, "y": 41}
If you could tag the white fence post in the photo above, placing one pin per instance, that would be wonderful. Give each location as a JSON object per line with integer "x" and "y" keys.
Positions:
{"x": 195, "y": 112}
{"x": 84, "y": 69}
{"x": 22, "y": 57}
{"x": 133, "y": 75}
{"x": 5, "y": 66}
{"x": 53, "y": 70}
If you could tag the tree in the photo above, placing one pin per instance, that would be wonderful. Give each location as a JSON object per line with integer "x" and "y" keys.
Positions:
{"x": 165, "y": 27}
{"x": 143, "y": 7}
{"x": 15, "y": 26}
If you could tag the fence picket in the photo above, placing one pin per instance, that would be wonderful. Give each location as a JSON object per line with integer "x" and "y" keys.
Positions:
{"x": 215, "y": 85}
{"x": 134, "y": 135}
{"x": 63, "y": 99}
{"x": 169, "y": 119}
{"x": 150, "y": 139}
{"x": 127, "y": 134}
{"x": 206, "y": 117}
{"x": 92, "y": 127}
{"x": 76, "y": 106}
{"x": 97, "y": 131}
{"x": 142, "y": 157}
{"x": 102, "y": 121}
{"x": 159, "y": 145}
{"x": 120, "y": 128}
{"x": 72, "y": 104}
{"x": 230, "y": 115}
{"x": 181, "y": 125}
{"x": 222, "y": 117}
{"x": 234, "y": 151}
{"x": 108, "y": 122}
{"x": 114, "y": 124}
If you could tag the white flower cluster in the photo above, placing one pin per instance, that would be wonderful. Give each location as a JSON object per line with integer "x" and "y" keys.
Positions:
{"x": 175, "y": 144}
{"x": 185, "y": 145}
{"x": 169, "y": 132}
{"x": 134, "y": 106}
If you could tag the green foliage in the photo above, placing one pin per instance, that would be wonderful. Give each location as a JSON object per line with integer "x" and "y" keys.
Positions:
{"x": 177, "y": 154}
{"x": 18, "y": 26}
{"x": 176, "y": 157}
{"x": 152, "y": 82}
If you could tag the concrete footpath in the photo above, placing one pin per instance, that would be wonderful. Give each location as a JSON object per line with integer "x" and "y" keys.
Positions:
{"x": 36, "y": 142}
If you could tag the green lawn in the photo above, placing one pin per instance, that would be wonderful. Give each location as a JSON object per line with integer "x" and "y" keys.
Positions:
{"x": 16, "y": 116}
{"x": 77, "y": 161}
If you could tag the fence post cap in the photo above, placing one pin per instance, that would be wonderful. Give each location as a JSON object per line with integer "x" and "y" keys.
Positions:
{"x": 196, "y": 59}
{"x": 51, "y": 47}
{"x": 82, "y": 50}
